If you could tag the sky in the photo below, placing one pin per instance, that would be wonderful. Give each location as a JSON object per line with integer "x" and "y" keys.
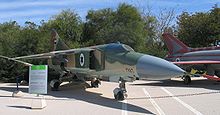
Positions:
{"x": 37, "y": 10}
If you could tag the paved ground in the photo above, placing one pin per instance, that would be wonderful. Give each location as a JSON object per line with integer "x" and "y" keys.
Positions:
{"x": 145, "y": 97}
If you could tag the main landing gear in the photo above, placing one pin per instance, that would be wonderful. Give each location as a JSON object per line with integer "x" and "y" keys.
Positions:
{"x": 120, "y": 93}
{"x": 65, "y": 76}
{"x": 186, "y": 79}
{"x": 95, "y": 83}
{"x": 55, "y": 84}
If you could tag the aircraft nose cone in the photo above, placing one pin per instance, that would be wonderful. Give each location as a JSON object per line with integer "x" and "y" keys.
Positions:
{"x": 155, "y": 68}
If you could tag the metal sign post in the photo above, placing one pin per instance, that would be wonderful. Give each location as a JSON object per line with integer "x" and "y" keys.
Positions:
{"x": 17, "y": 82}
{"x": 17, "y": 93}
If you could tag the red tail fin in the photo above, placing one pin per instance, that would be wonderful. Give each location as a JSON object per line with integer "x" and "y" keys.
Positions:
{"x": 174, "y": 45}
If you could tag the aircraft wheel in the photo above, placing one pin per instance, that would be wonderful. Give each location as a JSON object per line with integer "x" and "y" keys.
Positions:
{"x": 187, "y": 79}
{"x": 23, "y": 82}
{"x": 95, "y": 83}
{"x": 55, "y": 84}
{"x": 119, "y": 94}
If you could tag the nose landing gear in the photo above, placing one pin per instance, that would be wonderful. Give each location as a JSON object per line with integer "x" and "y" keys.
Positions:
{"x": 95, "y": 83}
{"x": 120, "y": 93}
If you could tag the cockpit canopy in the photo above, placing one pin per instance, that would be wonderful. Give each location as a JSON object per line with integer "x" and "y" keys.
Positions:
{"x": 117, "y": 48}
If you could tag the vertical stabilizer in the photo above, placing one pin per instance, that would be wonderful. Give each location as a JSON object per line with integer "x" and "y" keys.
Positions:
{"x": 174, "y": 45}
{"x": 56, "y": 42}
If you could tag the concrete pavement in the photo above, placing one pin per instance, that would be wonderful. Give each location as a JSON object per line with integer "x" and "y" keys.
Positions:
{"x": 144, "y": 97}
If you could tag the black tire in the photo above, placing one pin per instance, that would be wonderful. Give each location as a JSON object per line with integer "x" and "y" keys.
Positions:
{"x": 119, "y": 96}
{"x": 187, "y": 80}
{"x": 92, "y": 84}
{"x": 95, "y": 84}
{"x": 55, "y": 86}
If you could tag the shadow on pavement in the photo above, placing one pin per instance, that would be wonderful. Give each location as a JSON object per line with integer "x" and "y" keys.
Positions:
{"x": 79, "y": 93}
{"x": 207, "y": 84}
{"x": 22, "y": 107}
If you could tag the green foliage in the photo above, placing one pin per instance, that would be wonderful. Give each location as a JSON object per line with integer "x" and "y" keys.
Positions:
{"x": 9, "y": 33}
{"x": 97, "y": 24}
{"x": 199, "y": 29}
{"x": 124, "y": 25}
{"x": 69, "y": 26}
{"x": 157, "y": 50}
{"x": 27, "y": 40}
{"x": 9, "y": 70}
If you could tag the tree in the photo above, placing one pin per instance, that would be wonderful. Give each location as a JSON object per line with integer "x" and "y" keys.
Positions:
{"x": 27, "y": 40}
{"x": 124, "y": 25}
{"x": 215, "y": 22}
{"x": 9, "y": 33}
{"x": 155, "y": 26}
{"x": 68, "y": 25}
{"x": 97, "y": 24}
{"x": 199, "y": 29}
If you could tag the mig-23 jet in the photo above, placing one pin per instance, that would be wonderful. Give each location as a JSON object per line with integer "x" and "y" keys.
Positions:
{"x": 114, "y": 62}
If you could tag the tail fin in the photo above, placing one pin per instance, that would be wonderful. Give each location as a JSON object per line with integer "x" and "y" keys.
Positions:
{"x": 174, "y": 45}
{"x": 56, "y": 42}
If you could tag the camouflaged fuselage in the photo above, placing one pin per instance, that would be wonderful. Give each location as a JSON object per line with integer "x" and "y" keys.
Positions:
{"x": 113, "y": 62}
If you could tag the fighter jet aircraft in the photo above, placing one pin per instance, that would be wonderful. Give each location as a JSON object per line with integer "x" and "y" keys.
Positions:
{"x": 206, "y": 58}
{"x": 114, "y": 62}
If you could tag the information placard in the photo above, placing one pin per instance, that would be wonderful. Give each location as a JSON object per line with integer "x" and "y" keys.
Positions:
{"x": 38, "y": 79}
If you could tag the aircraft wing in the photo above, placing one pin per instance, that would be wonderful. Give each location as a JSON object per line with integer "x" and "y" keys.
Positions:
{"x": 197, "y": 62}
{"x": 45, "y": 55}
{"x": 25, "y": 63}
{"x": 52, "y": 54}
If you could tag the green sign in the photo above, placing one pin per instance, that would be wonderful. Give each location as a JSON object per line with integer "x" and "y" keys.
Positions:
{"x": 38, "y": 67}
{"x": 38, "y": 79}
